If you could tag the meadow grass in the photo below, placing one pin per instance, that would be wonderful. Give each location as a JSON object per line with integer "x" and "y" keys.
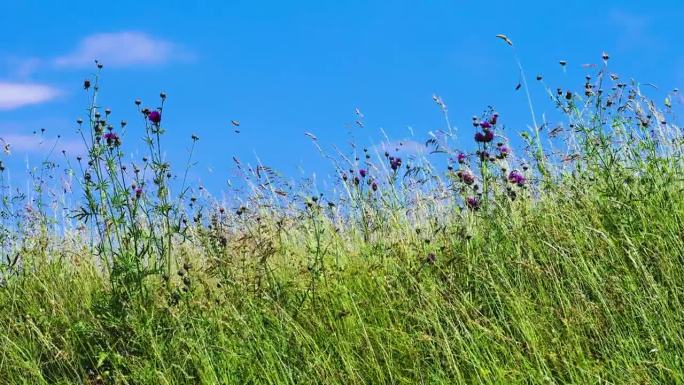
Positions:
{"x": 565, "y": 269}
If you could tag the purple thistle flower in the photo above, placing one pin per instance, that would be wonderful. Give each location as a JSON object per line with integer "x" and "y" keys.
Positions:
{"x": 154, "y": 117}
{"x": 374, "y": 186}
{"x": 504, "y": 151}
{"x": 461, "y": 157}
{"x": 484, "y": 137}
{"x": 485, "y": 125}
{"x": 395, "y": 163}
{"x": 363, "y": 173}
{"x": 472, "y": 202}
{"x": 138, "y": 193}
{"x": 466, "y": 177}
{"x": 517, "y": 178}
{"x": 112, "y": 139}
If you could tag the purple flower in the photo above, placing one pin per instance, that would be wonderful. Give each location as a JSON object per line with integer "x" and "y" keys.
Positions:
{"x": 472, "y": 202}
{"x": 374, "y": 186}
{"x": 461, "y": 157}
{"x": 395, "y": 163}
{"x": 466, "y": 177}
{"x": 504, "y": 152}
{"x": 363, "y": 173}
{"x": 138, "y": 193}
{"x": 112, "y": 139}
{"x": 154, "y": 117}
{"x": 484, "y": 137}
{"x": 517, "y": 178}
{"x": 485, "y": 125}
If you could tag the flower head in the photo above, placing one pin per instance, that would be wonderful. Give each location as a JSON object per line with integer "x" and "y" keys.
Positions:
{"x": 485, "y": 125}
{"x": 517, "y": 178}
{"x": 112, "y": 139}
{"x": 395, "y": 163}
{"x": 154, "y": 117}
{"x": 484, "y": 137}
{"x": 504, "y": 151}
{"x": 461, "y": 157}
{"x": 472, "y": 202}
{"x": 363, "y": 173}
{"x": 466, "y": 177}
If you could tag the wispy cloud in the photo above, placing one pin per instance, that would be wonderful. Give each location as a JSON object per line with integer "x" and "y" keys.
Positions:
{"x": 21, "y": 143}
{"x": 122, "y": 49}
{"x": 19, "y": 67}
{"x": 16, "y": 95}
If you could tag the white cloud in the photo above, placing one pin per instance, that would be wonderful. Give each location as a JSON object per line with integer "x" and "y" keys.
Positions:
{"x": 15, "y": 95}
{"x": 121, "y": 49}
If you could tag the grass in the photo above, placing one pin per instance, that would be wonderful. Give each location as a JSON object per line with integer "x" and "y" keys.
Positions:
{"x": 407, "y": 273}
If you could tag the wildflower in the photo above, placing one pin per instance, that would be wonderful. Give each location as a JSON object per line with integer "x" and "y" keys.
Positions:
{"x": 86, "y": 84}
{"x": 374, "y": 186}
{"x": 112, "y": 139}
{"x": 485, "y": 125}
{"x": 154, "y": 117}
{"x": 466, "y": 177}
{"x": 461, "y": 158}
{"x": 138, "y": 193}
{"x": 472, "y": 202}
{"x": 395, "y": 163}
{"x": 363, "y": 173}
{"x": 484, "y": 155}
{"x": 517, "y": 178}
{"x": 504, "y": 151}
{"x": 484, "y": 137}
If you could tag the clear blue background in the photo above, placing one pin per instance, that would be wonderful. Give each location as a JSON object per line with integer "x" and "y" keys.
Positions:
{"x": 285, "y": 68}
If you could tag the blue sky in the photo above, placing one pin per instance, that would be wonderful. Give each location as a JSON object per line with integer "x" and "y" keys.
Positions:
{"x": 286, "y": 68}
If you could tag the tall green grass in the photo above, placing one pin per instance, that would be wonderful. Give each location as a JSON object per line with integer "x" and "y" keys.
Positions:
{"x": 483, "y": 268}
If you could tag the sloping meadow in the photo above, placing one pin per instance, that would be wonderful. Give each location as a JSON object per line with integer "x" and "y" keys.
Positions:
{"x": 565, "y": 268}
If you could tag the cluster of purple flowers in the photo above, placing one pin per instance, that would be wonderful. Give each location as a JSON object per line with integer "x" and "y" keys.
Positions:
{"x": 395, "y": 163}
{"x": 466, "y": 177}
{"x": 517, "y": 178}
{"x": 112, "y": 139}
{"x": 487, "y": 134}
